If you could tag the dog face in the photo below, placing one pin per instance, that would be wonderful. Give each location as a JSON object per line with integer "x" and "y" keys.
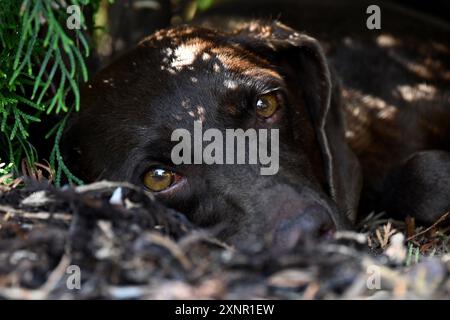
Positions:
{"x": 261, "y": 77}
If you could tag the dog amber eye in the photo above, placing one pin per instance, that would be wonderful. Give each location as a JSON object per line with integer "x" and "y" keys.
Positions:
{"x": 158, "y": 179}
{"x": 267, "y": 105}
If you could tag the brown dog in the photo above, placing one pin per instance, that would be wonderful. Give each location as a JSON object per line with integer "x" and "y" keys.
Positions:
{"x": 261, "y": 76}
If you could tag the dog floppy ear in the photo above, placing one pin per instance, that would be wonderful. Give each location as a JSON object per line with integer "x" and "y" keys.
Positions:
{"x": 304, "y": 57}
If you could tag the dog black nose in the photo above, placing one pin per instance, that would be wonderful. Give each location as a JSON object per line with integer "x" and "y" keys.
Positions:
{"x": 311, "y": 224}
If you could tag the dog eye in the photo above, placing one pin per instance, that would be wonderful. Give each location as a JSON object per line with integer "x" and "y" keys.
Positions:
{"x": 157, "y": 179}
{"x": 267, "y": 104}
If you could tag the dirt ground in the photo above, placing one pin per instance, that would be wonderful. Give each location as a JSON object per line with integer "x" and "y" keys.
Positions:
{"x": 123, "y": 245}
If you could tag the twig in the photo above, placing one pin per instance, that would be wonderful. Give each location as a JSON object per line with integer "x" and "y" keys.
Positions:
{"x": 105, "y": 185}
{"x": 171, "y": 246}
{"x": 441, "y": 219}
{"x": 36, "y": 215}
{"x": 42, "y": 292}
{"x": 56, "y": 275}
{"x": 202, "y": 235}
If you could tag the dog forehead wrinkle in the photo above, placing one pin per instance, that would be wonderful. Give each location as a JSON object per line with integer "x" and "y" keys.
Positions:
{"x": 242, "y": 62}
{"x": 231, "y": 59}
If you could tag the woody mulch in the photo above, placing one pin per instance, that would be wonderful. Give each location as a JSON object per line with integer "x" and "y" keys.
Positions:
{"x": 112, "y": 240}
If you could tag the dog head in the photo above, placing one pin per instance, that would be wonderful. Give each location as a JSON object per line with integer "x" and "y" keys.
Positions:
{"x": 261, "y": 77}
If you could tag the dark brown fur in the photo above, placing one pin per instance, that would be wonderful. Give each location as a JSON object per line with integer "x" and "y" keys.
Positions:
{"x": 336, "y": 128}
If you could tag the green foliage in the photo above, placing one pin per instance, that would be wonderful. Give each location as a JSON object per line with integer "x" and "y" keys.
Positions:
{"x": 6, "y": 173}
{"x": 41, "y": 65}
{"x": 413, "y": 255}
{"x": 204, "y": 4}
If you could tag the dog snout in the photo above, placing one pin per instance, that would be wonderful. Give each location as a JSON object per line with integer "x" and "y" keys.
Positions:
{"x": 308, "y": 225}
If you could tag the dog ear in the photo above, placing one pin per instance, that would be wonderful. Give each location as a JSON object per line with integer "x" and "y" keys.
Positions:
{"x": 304, "y": 57}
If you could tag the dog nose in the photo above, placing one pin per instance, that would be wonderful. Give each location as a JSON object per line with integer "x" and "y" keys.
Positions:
{"x": 310, "y": 224}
